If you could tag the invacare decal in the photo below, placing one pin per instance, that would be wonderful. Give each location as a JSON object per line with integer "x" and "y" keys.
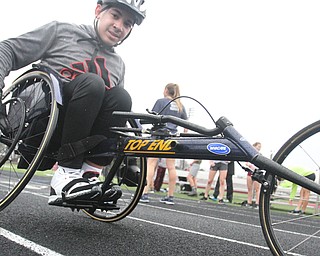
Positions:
{"x": 218, "y": 148}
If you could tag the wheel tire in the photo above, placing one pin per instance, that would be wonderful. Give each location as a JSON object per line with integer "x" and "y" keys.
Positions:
{"x": 35, "y": 90}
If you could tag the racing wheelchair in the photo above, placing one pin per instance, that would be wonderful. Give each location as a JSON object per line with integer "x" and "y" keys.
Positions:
{"x": 31, "y": 111}
{"x": 29, "y": 142}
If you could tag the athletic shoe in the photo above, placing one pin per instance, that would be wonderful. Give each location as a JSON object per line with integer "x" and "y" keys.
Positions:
{"x": 111, "y": 195}
{"x": 193, "y": 193}
{"x": 167, "y": 200}
{"x": 213, "y": 198}
{"x": 68, "y": 184}
{"x": 151, "y": 191}
{"x": 144, "y": 198}
{"x": 255, "y": 206}
{"x": 295, "y": 212}
{"x": 91, "y": 174}
{"x": 220, "y": 201}
{"x": 204, "y": 198}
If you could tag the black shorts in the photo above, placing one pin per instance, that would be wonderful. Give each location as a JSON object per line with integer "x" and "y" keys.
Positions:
{"x": 219, "y": 167}
{"x": 311, "y": 177}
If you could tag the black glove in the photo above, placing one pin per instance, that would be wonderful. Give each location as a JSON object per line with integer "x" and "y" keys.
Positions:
{"x": 1, "y": 88}
{"x": 4, "y": 124}
{"x": 1, "y": 83}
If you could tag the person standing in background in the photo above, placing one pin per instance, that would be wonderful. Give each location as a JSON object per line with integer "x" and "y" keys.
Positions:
{"x": 304, "y": 193}
{"x": 252, "y": 185}
{"x": 192, "y": 176}
{"x": 215, "y": 166}
{"x": 229, "y": 182}
{"x": 166, "y": 106}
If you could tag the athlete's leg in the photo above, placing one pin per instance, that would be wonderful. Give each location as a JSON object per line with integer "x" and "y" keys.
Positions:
{"x": 212, "y": 174}
{"x": 172, "y": 175}
{"x": 151, "y": 165}
{"x": 222, "y": 176}
{"x": 249, "y": 187}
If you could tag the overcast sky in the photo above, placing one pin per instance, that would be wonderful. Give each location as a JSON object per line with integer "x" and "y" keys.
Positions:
{"x": 255, "y": 62}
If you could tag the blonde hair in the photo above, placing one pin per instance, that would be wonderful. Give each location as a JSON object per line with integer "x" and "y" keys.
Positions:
{"x": 173, "y": 91}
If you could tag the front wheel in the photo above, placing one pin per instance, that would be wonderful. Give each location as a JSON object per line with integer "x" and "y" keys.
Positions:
{"x": 288, "y": 232}
{"x": 131, "y": 188}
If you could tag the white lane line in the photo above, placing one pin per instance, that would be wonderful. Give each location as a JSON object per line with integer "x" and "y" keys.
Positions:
{"x": 204, "y": 234}
{"x": 202, "y": 216}
{"x": 35, "y": 187}
{"x": 34, "y": 193}
{"x": 199, "y": 233}
{"x": 28, "y": 244}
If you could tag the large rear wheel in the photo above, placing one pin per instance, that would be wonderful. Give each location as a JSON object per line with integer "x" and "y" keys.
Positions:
{"x": 27, "y": 124}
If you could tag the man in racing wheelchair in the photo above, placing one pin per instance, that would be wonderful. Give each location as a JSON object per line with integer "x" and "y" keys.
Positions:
{"x": 92, "y": 78}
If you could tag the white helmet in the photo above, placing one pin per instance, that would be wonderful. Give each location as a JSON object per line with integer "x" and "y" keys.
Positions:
{"x": 133, "y": 5}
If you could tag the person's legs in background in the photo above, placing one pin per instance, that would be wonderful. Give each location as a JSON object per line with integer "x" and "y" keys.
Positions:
{"x": 230, "y": 182}
{"x": 172, "y": 181}
{"x": 151, "y": 165}
{"x": 303, "y": 202}
{"x": 193, "y": 183}
{"x": 222, "y": 177}
{"x": 305, "y": 199}
{"x": 249, "y": 188}
{"x": 216, "y": 190}
{"x": 256, "y": 188}
{"x": 161, "y": 171}
{"x": 212, "y": 174}
{"x": 192, "y": 178}
{"x": 229, "y": 187}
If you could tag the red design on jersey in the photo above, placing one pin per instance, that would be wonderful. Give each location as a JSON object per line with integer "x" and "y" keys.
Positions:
{"x": 97, "y": 66}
